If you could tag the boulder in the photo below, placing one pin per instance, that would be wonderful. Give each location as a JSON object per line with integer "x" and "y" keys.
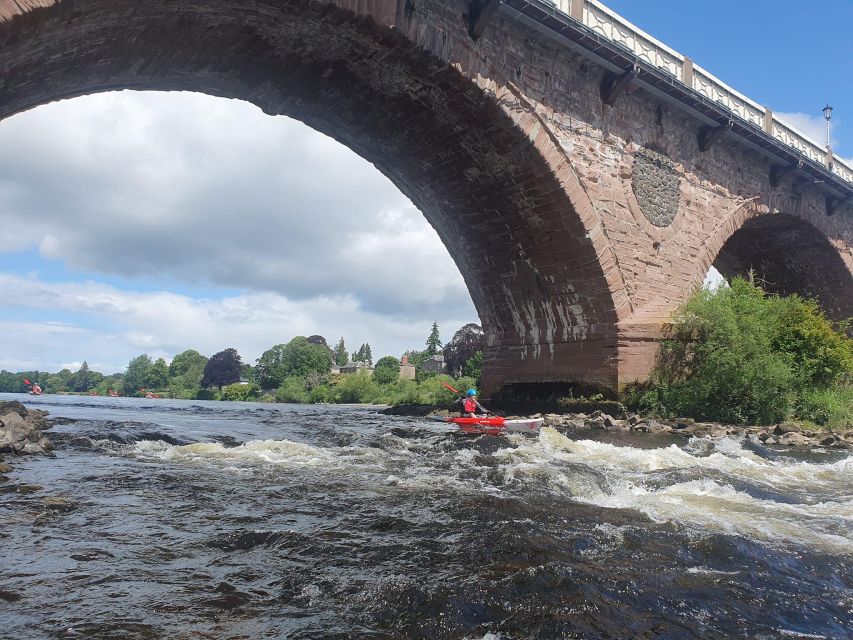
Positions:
{"x": 828, "y": 441}
{"x": 20, "y": 430}
{"x": 793, "y": 439}
{"x": 786, "y": 427}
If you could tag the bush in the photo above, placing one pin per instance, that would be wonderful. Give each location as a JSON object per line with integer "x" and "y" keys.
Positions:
{"x": 356, "y": 388}
{"x": 238, "y": 392}
{"x": 736, "y": 355}
{"x": 292, "y": 390}
{"x": 387, "y": 370}
{"x": 827, "y": 407}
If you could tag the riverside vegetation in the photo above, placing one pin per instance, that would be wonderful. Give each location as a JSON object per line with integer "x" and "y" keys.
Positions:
{"x": 735, "y": 355}
{"x": 299, "y": 371}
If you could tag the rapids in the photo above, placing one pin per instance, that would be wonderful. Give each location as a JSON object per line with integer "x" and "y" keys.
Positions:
{"x": 189, "y": 519}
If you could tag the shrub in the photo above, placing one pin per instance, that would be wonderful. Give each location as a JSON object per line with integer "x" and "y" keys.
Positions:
{"x": 292, "y": 390}
{"x": 736, "y": 355}
{"x": 356, "y": 388}
{"x": 827, "y": 407}
{"x": 238, "y": 392}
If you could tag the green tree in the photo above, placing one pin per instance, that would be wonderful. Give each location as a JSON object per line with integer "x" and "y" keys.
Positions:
{"x": 473, "y": 367}
{"x": 296, "y": 358}
{"x": 136, "y": 374}
{"x": 341, "y": 356}
{"x": 387, "y": 370}
{"x": 81, "y": 379}
{"x": 363, "y": 354}
{"x": 185, "y": 373}
{"x": 158, "y": 375}
{"x": 186, "y": 361}
{"x": 433, "y": 343}
{"x": 464, "y": 345}
{"x": 223, "y": 368}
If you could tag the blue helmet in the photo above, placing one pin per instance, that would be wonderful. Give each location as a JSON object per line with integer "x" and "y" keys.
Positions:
{"x": 471, "y": 392}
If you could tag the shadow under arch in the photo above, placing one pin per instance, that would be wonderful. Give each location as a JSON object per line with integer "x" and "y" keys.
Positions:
{"x": 481, "y": 180}
{"x": 789, "y": 255}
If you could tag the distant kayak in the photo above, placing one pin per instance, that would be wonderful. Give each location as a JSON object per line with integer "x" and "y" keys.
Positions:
{"x": 494, "y": 425}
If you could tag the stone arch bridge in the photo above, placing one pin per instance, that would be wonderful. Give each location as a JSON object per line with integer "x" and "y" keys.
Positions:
{"x": 583, "y": 176}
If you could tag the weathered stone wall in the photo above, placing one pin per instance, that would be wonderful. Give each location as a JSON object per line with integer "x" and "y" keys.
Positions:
{"x": 578, "y": 226}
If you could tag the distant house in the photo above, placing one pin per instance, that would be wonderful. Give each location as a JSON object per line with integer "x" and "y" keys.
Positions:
{"x": 434, "y": 364}
{"x": 407, "y": 369}
{"x": 357, "y": 367}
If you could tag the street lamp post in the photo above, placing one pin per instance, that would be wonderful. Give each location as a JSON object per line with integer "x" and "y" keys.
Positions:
{"x": 827, "y": 115}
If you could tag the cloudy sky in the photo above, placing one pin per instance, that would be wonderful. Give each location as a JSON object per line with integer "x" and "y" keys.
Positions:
{"x": 151, "y": 222}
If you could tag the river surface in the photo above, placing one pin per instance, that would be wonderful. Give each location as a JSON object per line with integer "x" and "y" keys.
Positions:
{"x": 189, "y": 519}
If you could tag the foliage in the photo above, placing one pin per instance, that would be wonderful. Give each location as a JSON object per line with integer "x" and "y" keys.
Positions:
{"x": 340, "y": 355}
{"x": 318, "y": 340}
{"x": 473, "y": 367}
{"x": 222, "y": 369}
{"x": 356, "y": 388}
{"x": 296, "y": 358}
{"x": 186, "y": 361}
{"x": 136, "y": 374}
{"x": 80, "y": 380}
{"x": 736, "y": 355}
{"x": 363, "y": 354}
{"x": 158, "y": 375}
{"x": 292, "y": 389}
{"x": 466, "y": 342}
{"x": 240, "y": 392}
{"x": 185, "y": 373}
{"x": 433, "y": 342}
{"x": 832, "y": 407}
{"x": 387, "y": 370}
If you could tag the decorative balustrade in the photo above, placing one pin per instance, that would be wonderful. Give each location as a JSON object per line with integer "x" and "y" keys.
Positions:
{"x": 647, "y": 49}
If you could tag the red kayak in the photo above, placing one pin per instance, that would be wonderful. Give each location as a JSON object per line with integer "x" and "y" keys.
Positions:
{"x": 494, "y": 425}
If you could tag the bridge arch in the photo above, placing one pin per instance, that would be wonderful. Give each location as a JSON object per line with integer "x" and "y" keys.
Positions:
{"x": 483, "y": 171}
{"x": 789, "y": 255}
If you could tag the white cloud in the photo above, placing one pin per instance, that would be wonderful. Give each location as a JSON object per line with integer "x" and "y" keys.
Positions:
{"x": 205, "y": 191}
{"x": 163, "y": 324}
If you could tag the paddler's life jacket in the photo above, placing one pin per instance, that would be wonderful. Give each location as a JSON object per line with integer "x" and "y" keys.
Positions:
{"x": 469, "y": 405}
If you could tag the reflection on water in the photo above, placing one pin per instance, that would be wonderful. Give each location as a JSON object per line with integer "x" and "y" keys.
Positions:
{"x": 190, "y": 520}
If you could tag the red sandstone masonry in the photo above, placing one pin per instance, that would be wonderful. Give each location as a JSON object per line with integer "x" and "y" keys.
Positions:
{"x": 506, "y": 135}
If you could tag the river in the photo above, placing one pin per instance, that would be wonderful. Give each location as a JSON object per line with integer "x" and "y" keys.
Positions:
{"x": 190, "y": 519}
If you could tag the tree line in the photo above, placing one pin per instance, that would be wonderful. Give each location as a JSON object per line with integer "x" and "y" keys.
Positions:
{"x": 297, "y": 371}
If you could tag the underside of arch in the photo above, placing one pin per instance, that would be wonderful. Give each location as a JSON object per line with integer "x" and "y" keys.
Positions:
{"x": 790, "y": 256}
{"x": 533, "y": 273}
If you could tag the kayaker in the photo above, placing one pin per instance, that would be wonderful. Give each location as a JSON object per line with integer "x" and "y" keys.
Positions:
{"x": 470, "y": 406}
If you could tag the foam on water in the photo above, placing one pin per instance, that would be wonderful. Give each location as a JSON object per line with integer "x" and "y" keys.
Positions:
{"x": 714, "y": 486}
{"x": 640, "y": 479}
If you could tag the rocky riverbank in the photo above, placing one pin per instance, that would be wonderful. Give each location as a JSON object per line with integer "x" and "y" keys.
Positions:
{"x": 21, "y": 433}
{"x": 785, "y": 434}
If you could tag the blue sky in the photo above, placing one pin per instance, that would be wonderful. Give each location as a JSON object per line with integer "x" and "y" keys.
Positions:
{"x": 788, "y": 55}
{"x": 174, "y": 221}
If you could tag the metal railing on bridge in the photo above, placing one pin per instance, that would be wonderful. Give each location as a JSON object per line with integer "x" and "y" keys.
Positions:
{"x": 621, "y": 46}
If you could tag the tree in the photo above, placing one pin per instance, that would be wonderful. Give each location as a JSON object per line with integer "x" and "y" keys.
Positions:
{"x": 387, "y": 370}
{"x": 185, "y": 373}
{"x": 80, "y": 380}
{"x": 186, "y": 361}
{"x": 433, "y": 343}
{"x": 297, "y": 358}
{"x": 341, "y": 356}
{"x": 136, "y": 374}
{"x": 222, "y": 368}
{"x": 363, "y": 354}
{"x": 158, "y": 375}
{"x": 318, "y": 340}
{"x": 466, "y": 342}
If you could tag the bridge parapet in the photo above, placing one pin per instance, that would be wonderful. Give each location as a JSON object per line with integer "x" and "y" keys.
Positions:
{"x": 681, "y": 70}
